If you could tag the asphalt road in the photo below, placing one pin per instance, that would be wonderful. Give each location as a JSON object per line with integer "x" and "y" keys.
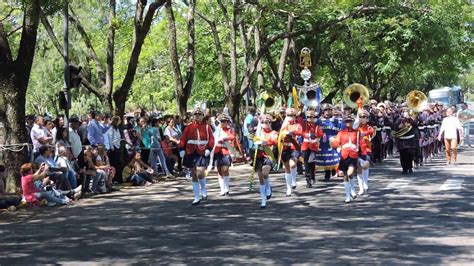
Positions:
{"x": 425, "y": 218}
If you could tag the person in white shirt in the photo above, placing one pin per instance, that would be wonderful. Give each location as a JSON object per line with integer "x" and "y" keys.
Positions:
{"x": 464, "y": 116}
{"x": 38, "y": 134}
{"x": 450, "y": 128}
{"x": 74, "y": 138}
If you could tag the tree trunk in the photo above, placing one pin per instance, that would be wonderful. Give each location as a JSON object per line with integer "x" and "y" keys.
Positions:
{"x": 142, "y": 26}
{"x": 14, "y": 77}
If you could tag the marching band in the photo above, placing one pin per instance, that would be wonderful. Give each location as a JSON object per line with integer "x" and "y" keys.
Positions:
{"x": 340, "y": 140}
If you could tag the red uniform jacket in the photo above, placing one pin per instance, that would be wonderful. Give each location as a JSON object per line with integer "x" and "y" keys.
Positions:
{"x": 351, "y": 143}
{"x": 221, "y": 133}
{"x": 367, "y": 133}
{"x": 271, "y": 137}
{"x": 197, "y": 138}
{"x": 311, "y": 135}
{"x": 296, "y": 130}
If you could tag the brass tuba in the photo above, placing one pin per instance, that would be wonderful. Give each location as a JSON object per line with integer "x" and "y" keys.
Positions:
{"x": 353, "y": 93}
{"x": 268, "y": 103}
{"x": 309, "y": 96}
{"x": 416, "y": 101}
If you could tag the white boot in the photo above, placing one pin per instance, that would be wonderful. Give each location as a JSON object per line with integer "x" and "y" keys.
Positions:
{"x": 360, "y": 183}
{"x": 263, "y": 196}
{"x": 288, "y": 184}
{"x": 365, "y": 178}
{"x": 347, "y": 189}
{"x": 202, "y": 182}
{"x": 268, "y": 187}
{"x": 221, "y": 185}
{"x": 353, "y": 191}
{"x": 196, "y": 193}
{"x": 226, "y": 184}
{"x": 293, "y": 177}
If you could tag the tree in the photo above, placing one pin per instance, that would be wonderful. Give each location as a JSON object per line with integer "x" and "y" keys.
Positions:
{"x": 182, "y": 87}
{"x": 14, "y": 78}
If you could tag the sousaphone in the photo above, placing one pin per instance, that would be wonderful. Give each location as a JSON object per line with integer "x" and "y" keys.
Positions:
{"x": 416, "y": 101}
{"x": 355, "y": 92}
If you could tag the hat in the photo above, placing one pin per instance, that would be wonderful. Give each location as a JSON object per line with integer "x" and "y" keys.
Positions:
{"x": 74, "y": 119}
{"x": 348, "y": 118}
{"x": 373, "y": 101}
{"x": 266, "y": 117}
{"x": 29, "y": 117}
{"x": 223, "y": 117}
{"x": 326, "y": 106}
{"x": 47, "y": 118}
{"x": 381, "y": 105}
{"x": 362, "y": 112}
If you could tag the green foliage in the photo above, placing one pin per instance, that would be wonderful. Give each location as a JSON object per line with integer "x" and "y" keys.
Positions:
{"x": 392, "y": 48}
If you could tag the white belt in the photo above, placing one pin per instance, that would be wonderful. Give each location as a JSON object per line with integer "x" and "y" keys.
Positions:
{"x": 287, "y": 144}
{"x": 387, "y": 128}
{"x": 378, "y": 129}
{"x": 221, "y": 145}
{"x": 407, "y": 137}
{"x": 197, "y": 142}
{"x": 421, "y": 127}
{"x": 311, "y": 140}
{"x": 349, "y": 145}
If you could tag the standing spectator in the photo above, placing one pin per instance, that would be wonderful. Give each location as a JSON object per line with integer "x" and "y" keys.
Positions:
{"x": 464, "y": 115}
{"x": 82, "y": 130}
{"x": 115, "y": 140}
{"x": 96, "y": 130}
{"x": 38, "y": 135}
{"x": 451, "y": 130}
{"x": 50, "y": 129}
{"x": 174, "y": 135}
{"x": 74, "y": 138}
{"x": 144, "y": 133}
{"x": 156, "y": 149}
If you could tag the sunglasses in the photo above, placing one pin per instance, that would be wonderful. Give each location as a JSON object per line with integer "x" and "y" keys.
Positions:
{"x": 225, "y": 121}
{"x": 310, "y": 117}
{"x": 290, "y": 115}
{"x": 363, "y": 116}
{"x": 266, "y": 122}
{"x": 197, "y": 113}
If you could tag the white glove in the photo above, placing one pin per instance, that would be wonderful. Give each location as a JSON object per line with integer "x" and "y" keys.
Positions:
{"x": 207, "y": 153}
{"x": 181, "y": 154}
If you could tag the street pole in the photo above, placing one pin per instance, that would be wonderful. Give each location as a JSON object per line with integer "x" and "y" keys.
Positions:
{"x": 66, "y": 65}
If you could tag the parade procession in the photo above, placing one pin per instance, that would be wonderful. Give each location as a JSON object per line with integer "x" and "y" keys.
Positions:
{"x": 229, "y": 132}
{"x": 340, "y": 140}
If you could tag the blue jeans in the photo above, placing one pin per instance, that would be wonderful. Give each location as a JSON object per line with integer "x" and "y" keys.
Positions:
{"x": 155, "y": 154}
{"x": 139, "y": 178}
{"x": 52, "y": 196}
{"x": 71, "y": 175}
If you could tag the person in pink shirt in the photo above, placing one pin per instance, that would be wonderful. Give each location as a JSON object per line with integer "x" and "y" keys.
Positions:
{"x": 37, "y": 186}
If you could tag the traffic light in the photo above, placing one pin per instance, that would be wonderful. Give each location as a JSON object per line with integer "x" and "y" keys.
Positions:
{"x": 64, "y": 100}
{"x": 74, "y": 77}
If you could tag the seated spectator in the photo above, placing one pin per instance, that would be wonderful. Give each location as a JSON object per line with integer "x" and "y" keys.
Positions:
{"x": 102, "y": 163}
{"x": 57, "y": 174}
{"x": 63, "y": 162}
{"x": 34, "y": 191}
{"x": 7, "y": 200}
{"x": 88, "y": 170}
{"x": 138, "y": 172}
